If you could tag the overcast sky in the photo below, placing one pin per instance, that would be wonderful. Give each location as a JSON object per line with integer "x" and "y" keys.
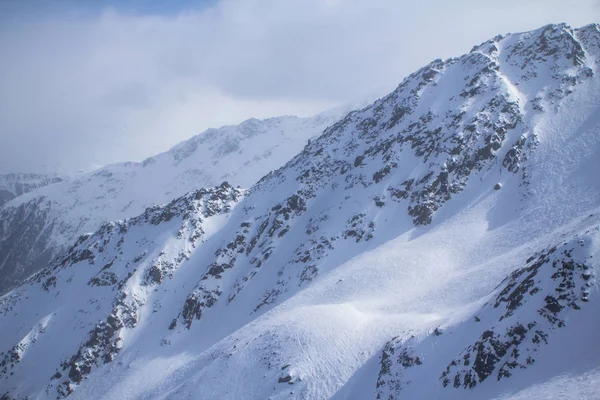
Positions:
{"x": 83, "y": 84}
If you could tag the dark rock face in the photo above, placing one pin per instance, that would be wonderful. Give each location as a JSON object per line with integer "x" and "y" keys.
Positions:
{"x": 103, "y": 341}
{"x": 358, "y": 228}
{"x": 10, "y": 359}
{"x": 528, "y": 308}
{"x": 195, "y": 304}
{"x": 253, "y": 243}
{"x": 454, "y": 145}
{"x": 392, "y": 379}
{"x": 367, "y": 152}
{"x": 553, "y": 281}
{"x": 483, "y": 128}
{"x": 84, "y": 203}
{"x": 25, "y": 232}
{"x": 102, "y": 345}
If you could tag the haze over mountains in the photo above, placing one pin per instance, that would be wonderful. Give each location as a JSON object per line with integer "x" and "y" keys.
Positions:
{"x": 16, "y": 184}
{"x": 442, "y": 242}
{"x": 36, "y": 227}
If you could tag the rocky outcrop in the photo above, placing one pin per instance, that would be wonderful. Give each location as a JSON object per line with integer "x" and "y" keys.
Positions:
{"x": 253, "y": 290}
{"x": 525, "y": 313}
{"x": 115, "y": 259}
{"x": 35, "y": 229}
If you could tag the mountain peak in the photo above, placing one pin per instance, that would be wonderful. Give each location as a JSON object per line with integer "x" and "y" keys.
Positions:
{"x": 442, "y": 242}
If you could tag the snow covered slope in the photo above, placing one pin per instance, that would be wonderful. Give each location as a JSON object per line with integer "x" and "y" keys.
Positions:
{"x": 16, "y": 184}
{"x": 36, "y": 227}
{"x": 443, "y": 242}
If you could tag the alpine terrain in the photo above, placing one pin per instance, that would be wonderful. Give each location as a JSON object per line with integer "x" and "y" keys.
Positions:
{"x": 37, "y": 227}
{"x": 16, "y": 184}
{"x": 443, "y": 242}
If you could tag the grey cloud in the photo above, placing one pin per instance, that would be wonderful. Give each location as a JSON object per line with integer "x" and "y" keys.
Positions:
{"x": 83, "y": 89}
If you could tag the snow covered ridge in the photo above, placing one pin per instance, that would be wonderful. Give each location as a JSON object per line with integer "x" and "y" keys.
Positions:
{"x": 125, "y": 261}
{"x": 16, "y": 184}
{"x": 441, "y": 243}
{"x": 507, "y": 333}
{"x": 37, "y": 227}
{"x": 458, "y": 116}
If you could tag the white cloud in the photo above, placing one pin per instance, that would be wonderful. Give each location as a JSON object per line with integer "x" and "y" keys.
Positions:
{"x": 88, "y": 89}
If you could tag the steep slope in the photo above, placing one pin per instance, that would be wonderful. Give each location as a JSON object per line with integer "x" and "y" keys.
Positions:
{"x": 16, "y": 184}
{"x": 37, "y": 227}
{"x": 147, "y": 249}
{"x": 440, "y": 243}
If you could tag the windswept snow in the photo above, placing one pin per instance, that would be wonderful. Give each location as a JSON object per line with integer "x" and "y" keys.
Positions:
{"x": 39, "y": 225}
{"x": 443, "y": 242}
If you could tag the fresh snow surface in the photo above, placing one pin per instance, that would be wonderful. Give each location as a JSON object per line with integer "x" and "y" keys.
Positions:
{"x": 51, "y": 218}
{"x": 442, "y": 243}
{"x": 584, "y": 387}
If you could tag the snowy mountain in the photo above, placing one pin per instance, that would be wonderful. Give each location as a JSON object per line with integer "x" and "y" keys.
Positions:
{"x": 16, "y": 184}
{"x": 37, "y": 227}
{"x": 442, "y": 242}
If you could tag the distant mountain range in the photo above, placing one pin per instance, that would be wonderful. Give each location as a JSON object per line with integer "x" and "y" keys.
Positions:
{"x": 16, "y": 184}
{"x": 36, "y": 227}
{"x": 442, "y": 242}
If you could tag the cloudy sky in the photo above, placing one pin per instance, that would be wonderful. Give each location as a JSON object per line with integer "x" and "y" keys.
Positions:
{"x": 86, "y": 83}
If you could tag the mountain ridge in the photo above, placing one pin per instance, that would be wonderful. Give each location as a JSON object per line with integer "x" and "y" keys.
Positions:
{"x": 414, "y": 249}
{"x": 39, "y": 225}
{"x": 16, "y": 184}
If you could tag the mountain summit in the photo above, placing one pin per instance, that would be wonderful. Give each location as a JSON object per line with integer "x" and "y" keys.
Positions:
{"x": 442, "y": 242}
